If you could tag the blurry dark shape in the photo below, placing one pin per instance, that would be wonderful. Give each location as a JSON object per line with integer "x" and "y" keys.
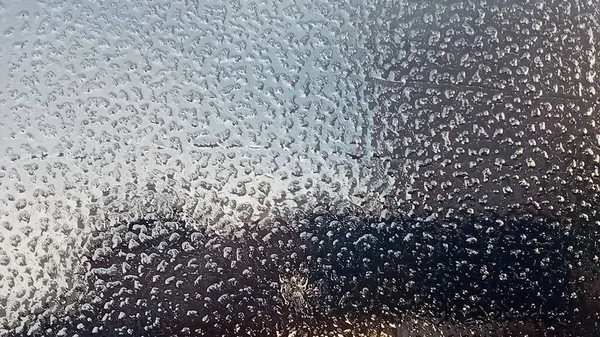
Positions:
{"x": 163, "y": 278}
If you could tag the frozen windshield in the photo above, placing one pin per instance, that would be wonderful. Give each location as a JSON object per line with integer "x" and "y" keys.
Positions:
{"x": 299, "y": 168}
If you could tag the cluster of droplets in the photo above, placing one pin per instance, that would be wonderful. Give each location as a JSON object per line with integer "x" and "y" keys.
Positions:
{"x": 228, "y": 112}
{"x": 317, "y": 275}
{"x": 488, "y": 106}
{"x": 235, "y": 109}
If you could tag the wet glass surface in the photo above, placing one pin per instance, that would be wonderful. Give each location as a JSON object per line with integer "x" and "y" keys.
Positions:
{"x": 299, "y": 168}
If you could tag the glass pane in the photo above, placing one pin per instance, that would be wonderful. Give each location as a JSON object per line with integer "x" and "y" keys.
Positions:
{"x": 299, "y": 168}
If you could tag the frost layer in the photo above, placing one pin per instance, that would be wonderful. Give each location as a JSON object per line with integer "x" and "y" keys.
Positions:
{"x": 222, "y": 110}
